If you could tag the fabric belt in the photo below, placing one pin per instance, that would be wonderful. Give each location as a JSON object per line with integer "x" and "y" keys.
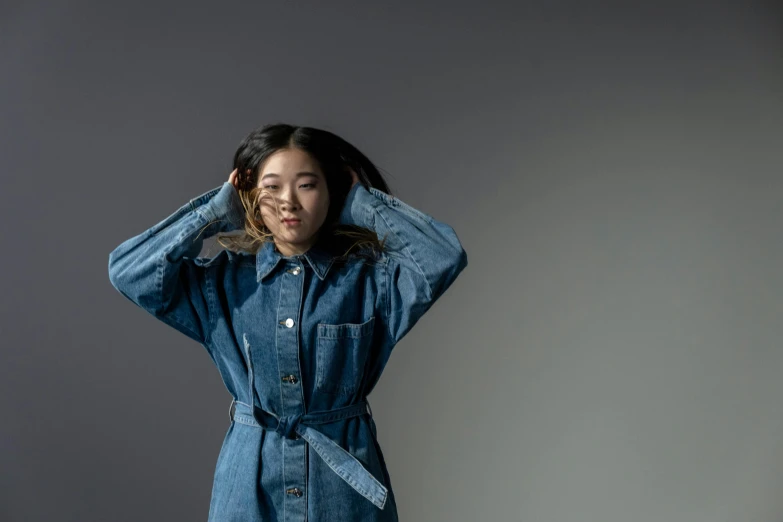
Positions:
{"x": 303, "y": 426}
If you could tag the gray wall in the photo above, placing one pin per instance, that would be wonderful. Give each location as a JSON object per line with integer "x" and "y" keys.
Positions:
{"x": 612, "y": 352}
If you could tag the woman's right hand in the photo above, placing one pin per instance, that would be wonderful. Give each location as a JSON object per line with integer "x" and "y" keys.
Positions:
{"x": 233, "y": 178}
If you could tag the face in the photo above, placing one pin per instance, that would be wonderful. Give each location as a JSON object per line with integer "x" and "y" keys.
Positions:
{"x": 292, "y": 179}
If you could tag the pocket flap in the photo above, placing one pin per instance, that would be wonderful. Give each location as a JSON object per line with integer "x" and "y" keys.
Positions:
{"x": 339, "y": 331}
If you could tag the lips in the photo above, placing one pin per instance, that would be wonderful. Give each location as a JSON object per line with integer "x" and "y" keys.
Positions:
{"x": 292, "y": 220}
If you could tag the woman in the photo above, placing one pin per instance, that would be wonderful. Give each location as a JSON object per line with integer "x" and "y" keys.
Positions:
{"x": 300, "y": 314}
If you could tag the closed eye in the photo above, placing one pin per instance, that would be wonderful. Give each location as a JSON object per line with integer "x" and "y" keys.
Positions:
{"x": 305, "y": 185}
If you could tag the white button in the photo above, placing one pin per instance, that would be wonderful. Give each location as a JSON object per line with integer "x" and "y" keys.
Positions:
{"x": 296, "y": 271}
{"x": 289, "y": 322}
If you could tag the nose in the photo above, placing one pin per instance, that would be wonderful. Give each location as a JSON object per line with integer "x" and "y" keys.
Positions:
{"x": 286, "y": 200}
{"x": 288, "y": 206}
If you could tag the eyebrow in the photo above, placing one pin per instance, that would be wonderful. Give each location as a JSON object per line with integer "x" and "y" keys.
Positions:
{"x": 298, "y": 175}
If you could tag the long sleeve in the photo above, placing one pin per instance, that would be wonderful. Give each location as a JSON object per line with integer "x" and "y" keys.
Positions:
{"x": 157, "y": 270}
{"x": 424, "y": 255}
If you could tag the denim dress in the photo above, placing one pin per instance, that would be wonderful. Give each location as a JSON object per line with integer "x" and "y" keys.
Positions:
{"x": 299, "y": 341}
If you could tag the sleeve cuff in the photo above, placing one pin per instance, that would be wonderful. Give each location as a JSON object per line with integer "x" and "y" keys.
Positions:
{"x": 226, "y": 205}
{"x": 355, "y": 210}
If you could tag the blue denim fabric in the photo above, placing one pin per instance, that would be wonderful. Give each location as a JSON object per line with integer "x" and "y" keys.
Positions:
{"x": 300, "y": 341}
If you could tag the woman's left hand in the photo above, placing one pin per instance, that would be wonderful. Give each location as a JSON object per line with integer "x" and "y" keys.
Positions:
{"x": 354, "y": 176}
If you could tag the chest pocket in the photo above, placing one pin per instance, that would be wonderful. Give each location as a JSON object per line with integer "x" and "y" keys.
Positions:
{"x": 341, "y": 352}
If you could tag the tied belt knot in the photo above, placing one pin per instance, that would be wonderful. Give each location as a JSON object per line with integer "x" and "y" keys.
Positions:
{"x": 304, "y": 426}
{"x": 286, "y": 426}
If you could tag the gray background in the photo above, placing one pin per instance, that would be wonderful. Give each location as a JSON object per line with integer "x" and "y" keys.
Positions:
{"x": 613, "y": 350}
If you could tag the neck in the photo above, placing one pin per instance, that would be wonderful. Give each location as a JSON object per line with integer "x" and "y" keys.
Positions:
{"x": 287, "y": 249}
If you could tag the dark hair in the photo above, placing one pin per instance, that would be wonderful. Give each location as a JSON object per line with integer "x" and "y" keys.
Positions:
{"x": 333, "y": 154}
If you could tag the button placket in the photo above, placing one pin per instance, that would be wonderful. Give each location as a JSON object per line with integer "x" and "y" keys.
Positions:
{"x": 287, "y": 343}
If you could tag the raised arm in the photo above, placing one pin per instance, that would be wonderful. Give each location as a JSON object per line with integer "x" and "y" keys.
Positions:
{"x": 157, "y": 269}
{"x": 425, "y": 255}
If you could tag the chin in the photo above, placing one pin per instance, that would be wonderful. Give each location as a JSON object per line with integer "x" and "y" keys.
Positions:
{"x": 294, "y": 238}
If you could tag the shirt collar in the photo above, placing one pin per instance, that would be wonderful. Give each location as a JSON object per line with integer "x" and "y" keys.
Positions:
{"x": 318, "y": 256}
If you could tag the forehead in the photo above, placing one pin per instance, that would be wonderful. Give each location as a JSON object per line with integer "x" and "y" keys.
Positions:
{"x": 289, "y": 162}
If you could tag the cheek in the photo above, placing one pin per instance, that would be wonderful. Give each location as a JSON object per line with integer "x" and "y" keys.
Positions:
{"x": 269, "y": 218}
{"x": 268, "y": 208}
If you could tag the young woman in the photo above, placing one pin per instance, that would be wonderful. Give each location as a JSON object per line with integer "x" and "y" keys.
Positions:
{"x": 300, "y": 314}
